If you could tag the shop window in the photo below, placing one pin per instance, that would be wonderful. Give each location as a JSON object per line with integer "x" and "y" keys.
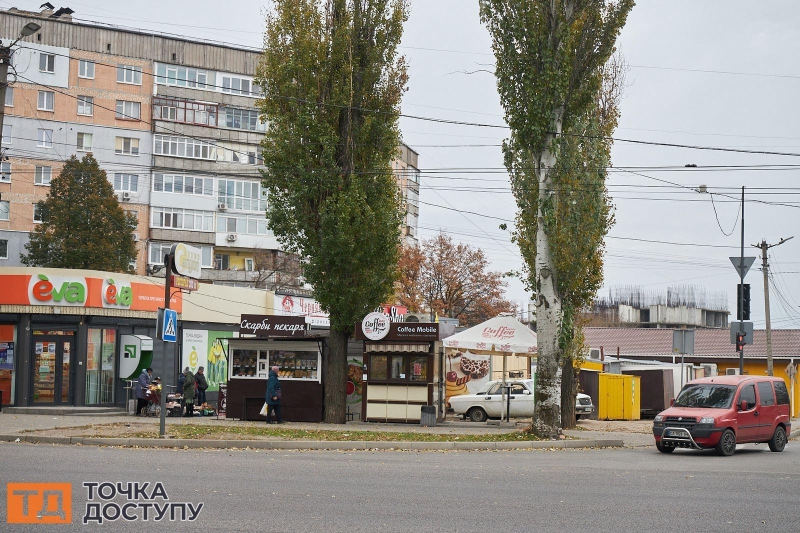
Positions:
{"x": 100, "y": 365}
{"x": 418, "y": 369}
{"x": 398, "y": 367}
{"x": 245, "y": 363}
{"x": 294, "y": 364}
{"x": 7, "y": 357}
{"x": 377, "y": 367}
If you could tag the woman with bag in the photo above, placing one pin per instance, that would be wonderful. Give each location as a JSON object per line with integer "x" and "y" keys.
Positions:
{"x": 273, "y": 400}
{"x": 188, "y": 391}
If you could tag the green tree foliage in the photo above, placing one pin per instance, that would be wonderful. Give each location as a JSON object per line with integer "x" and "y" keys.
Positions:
{"x": 550, "y": 56}
{"x": 83, "y": 225}
{"x": 333, "y": 82}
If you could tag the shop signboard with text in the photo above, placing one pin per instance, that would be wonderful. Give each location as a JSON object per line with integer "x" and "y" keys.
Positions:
{"x": 301, "y": 306}
{"x": 60, "y": 288}
{"x": 272, "y": 326}
{"x": 378, "y": 327}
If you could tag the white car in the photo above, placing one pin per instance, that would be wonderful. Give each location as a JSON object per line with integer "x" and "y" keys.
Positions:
{"x": 487, "y": 402}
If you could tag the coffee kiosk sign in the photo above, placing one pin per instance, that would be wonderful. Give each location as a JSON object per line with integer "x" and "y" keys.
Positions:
{"x": 272, "y": 326}
{"x": 396, "y": 331}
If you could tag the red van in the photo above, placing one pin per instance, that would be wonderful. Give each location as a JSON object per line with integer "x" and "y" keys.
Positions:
{"x": 724, "y": 411}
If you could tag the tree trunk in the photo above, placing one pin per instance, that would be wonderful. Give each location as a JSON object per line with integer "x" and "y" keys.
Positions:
{"x": 569, "y": 391}
{"x": 335, "y": 379}
{"x": 547, "y": 413}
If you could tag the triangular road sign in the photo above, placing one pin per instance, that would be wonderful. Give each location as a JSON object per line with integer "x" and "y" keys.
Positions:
{"x": 169, "y": 329}
{"x": 746, "y": 262}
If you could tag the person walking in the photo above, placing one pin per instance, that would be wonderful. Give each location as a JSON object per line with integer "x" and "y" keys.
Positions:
{"x": 274, "y": 396}
{"x": 188, "y": 391}
{"x": 202, "y": 385}
{"x": 141, "y": 390}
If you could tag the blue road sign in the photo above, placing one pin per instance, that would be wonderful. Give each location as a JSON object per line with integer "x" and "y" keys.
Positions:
{"x": 170, "y": 331}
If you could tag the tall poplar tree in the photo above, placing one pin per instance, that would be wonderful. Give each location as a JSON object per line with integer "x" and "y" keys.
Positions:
{"x": 549, "y": 60}
{"x": 333, "y": 81}
{"x": 82, "y": 223}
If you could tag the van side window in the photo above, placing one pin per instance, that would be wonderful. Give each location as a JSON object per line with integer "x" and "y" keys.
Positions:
{"x": 748, "y": 395}
{"x": 766, "y": 396}
{"x": 781, "y": 393}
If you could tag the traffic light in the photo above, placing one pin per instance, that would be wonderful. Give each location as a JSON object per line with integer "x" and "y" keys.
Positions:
{"x": 746, "y": 302}
{"x": 739, "y": 342}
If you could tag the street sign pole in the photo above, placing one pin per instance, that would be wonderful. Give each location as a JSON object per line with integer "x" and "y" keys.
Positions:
{"x": 162, "y": 427}
{"x": 741, "y": 298}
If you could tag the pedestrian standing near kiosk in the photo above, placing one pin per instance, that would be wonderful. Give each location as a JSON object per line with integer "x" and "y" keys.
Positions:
{"x": 274, "y": 396}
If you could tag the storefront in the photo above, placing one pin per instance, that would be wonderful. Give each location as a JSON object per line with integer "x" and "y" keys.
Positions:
{"x": 60, "y": 333}
{"x": 286, "y": 342}
{"x": 402, "y": 368}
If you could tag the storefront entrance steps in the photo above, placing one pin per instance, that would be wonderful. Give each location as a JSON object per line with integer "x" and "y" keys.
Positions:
{"x": 65, "y": 411}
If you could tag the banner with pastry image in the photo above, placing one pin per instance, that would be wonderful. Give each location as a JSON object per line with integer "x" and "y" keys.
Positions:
{"x": 466, "y": 372}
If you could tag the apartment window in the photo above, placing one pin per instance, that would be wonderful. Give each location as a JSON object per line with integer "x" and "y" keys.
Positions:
{"x": 184, "y": 147}
{"x": 9, "y": 96}
{"x": 37, "y": 212}
{"x": 3, "y": 249}
{"x": 128, "y": 110}
{"x": 46, "y": 101}
{"x": 84, "y": 142}
{"x": 47, "y": 62}
{"x": 7, "y": 138}
{"x": 185, "y": 111}
{"x": 85, "y": 105}
{"x": 235, "y": 85}
{"x": 243, "y": 119}
{"x": 243, "y": 195}
{"x": 43, "y": 175}
{"x": 5, "y": 210}
{"x": 181, "y": 76}
{"x": 129, "y": 74}
{"x": 127, "y": 146}
{"x": 126, "y": 182}
{"x": 180, "y": 184}
{"x": 44, "y": 138}
{"x": 5, "y": 172}
{"x": 168, "y": 217}
{"x": 254, "y": 158}
{"x": 158, "y": 250}
{"x": 86, "y": 69}
{"x": 246, "y": 224}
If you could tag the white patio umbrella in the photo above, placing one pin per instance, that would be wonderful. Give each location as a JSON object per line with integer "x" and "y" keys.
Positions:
{"x": 502, "y": 335}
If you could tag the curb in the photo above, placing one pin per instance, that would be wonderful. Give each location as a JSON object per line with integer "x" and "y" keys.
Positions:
{"x": 314, "y": 445}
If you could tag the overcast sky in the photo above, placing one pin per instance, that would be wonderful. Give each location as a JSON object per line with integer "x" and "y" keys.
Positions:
{"x": 717, "y": 73}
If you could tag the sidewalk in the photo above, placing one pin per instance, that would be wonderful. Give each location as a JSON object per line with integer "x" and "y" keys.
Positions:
{"x": 123, "y": 430}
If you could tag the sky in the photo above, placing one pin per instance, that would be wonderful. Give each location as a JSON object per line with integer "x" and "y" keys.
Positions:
{"x": 711, "y": 74}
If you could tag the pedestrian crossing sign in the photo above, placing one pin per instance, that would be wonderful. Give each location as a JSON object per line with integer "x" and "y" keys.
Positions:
{"x": 169, "y": 329}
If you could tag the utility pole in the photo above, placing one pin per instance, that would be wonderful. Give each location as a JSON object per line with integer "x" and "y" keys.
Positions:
{"x": 5, "y": 59}
{"x": 765, "y": 268}
{"x": 741, "y": 297}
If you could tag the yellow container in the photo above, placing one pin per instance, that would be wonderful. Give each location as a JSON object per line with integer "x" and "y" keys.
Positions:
{"x": 618, "y": 397}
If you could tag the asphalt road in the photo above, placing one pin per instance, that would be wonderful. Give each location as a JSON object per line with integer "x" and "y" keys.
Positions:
{"x": 633, "y": 489}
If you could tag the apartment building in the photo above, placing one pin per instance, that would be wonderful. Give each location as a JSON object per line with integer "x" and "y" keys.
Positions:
{"x": 173, "y": 123}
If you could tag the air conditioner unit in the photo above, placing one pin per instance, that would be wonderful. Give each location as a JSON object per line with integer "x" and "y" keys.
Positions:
{"x": 731, "y": 371}
{"x": 710, "y": 370}
{"x": 222, "y": 207}
{"x": 594, "y": 353}
{"x": 126, "y": 196}
{"x": 231, "y": 238}
{"x": 135, "y": 237}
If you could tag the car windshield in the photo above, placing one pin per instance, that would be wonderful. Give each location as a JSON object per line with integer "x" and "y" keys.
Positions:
{"x": 706, "y": 395}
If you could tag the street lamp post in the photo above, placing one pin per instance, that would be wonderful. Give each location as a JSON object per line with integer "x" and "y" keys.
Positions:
{"x": 5, "y": 59}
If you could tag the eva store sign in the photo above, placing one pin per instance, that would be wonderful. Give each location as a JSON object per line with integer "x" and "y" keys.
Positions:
{"x": 67, "y": 291}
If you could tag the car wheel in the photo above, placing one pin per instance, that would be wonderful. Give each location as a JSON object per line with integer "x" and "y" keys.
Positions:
{"x": 577, "y": 417}
{"x": 727, "y": 443}
{"x": 664, "y": 449}
{"x": 778, "y": 441}
{"x": 478, "y": 415}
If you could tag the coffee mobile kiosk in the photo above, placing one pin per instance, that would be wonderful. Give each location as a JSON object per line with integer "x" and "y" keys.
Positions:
{"x": 283, "y": 341}
{"x": 401, "y": 368}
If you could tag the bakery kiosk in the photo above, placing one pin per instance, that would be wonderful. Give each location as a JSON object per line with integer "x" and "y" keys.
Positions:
{"x": 401, "y": 368}
{"x": 283, "y": 341}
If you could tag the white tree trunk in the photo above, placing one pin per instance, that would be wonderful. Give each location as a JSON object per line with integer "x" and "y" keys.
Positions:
{"x": 547, "y": 413}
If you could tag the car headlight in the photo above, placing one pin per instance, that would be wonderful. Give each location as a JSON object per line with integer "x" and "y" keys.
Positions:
{"x": 659, "y": 418}
{"x": 707, "y": 420}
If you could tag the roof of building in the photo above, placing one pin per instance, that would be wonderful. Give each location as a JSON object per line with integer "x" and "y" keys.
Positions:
{"x": 708, "y": 342}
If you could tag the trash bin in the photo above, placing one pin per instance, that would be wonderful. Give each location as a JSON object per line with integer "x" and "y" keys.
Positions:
{"x": 428, "y": 416}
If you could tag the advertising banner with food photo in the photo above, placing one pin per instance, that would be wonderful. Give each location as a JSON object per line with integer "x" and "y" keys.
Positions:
{"x": 465, "y": 372}
{"x": 208, "y": 349}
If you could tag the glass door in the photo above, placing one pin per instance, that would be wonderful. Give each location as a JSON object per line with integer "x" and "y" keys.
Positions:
{"x": 52, "y": 371}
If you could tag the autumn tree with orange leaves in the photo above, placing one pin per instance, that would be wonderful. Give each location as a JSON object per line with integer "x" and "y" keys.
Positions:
{"x": 451, "y": 279}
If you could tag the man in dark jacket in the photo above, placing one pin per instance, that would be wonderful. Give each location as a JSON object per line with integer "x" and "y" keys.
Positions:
{"x": 141, "y": 389}
{"x": 274, "y": 396}
{"x": 181, "y": 381}
{"x": 202, "y": 385}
